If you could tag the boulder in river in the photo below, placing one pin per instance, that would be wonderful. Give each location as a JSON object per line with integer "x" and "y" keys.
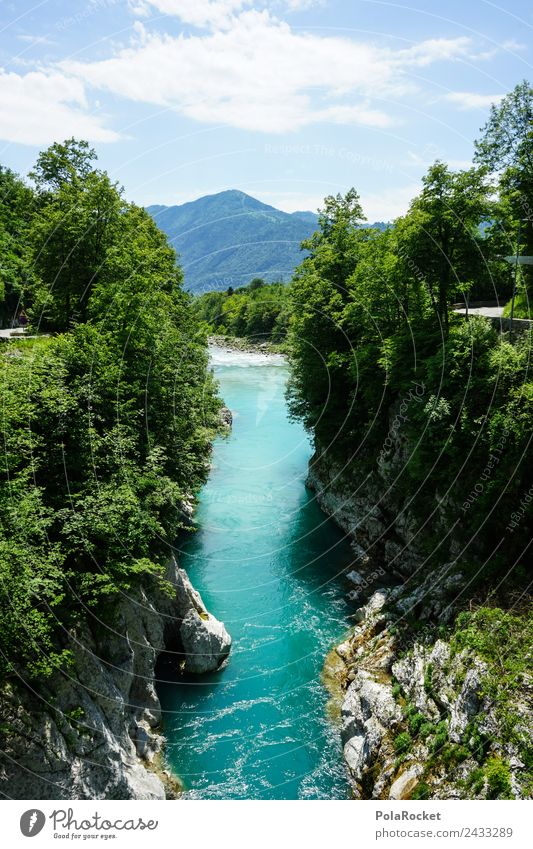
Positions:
{"x": 226, "y": 417}
{"x": 204, "y": 639}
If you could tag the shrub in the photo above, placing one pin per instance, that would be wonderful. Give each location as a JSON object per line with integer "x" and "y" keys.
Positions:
{"x": 498, "y": 777}
{"x": 426, "y": 729}
{"x": 453, "y": 754}
{"x": 416, "y": 721}
{"x": 440, "y": 738}
{"x": 476, "y": 781}
{"x": 402, "y": 742}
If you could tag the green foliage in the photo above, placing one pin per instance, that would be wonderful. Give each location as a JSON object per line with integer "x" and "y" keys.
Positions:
{"x": 396, "y": 690}
{"x": 498, "y": 777}
{"x": 75, "y": 714}
{"x": 477, "y": 742}
{"x": 523, "y": 307}
{"x": 443, "y": 240}
{"x": 421, "y": 791}
{"x": 428, "y": 680}
{"x": 63, "y": 162}
{"x": 493, "y": 779}
{"x": 107, "y": 426}
{"x": 77, "y": 220}
{"x": 16, "y": 203}
{"x": 258, "y": 311}
{"x": 453, "y": 754}
{"x": 402, "y": 742}
{"x": 371, "y": 321}
{"x": 425, "y": 730}
{"x": 416, "y": 720}
{"x": 476, "y": 781}
{"x": 506, "y": 145}
{"x": 440, "y": 737}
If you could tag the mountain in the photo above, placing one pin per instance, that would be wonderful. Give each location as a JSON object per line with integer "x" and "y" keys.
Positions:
{"x": 229, "y": 238}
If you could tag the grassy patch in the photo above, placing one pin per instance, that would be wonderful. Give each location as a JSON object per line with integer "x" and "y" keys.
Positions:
{"x": 523, "y": 307}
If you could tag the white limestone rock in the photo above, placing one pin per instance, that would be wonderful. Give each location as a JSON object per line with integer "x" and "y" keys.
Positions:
{"x": 206, "y": 642}
{"x": 406, "y": 782}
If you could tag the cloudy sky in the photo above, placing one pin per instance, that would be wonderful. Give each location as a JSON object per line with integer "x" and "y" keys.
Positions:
{"x": 288, "y": 100}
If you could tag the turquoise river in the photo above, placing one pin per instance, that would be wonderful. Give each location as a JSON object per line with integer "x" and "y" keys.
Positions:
{"x": 269, "y": 564}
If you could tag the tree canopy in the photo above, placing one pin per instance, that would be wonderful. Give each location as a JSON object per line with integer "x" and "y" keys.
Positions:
{"x": 107, "y": 423}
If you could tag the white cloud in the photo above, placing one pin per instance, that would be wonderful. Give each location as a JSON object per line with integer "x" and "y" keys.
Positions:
{"x": 215, "y": 13}
{"x": 388, "y": 204}
{"x": 513, "y": 45}
{"x": 139, "y": 7}
{"x": 200, "y": 13}
{"x": 471, "y": 100}
{"x": 435, "y": 50}
{"x": 258, "y": 74}
{"x": 299, "y": 5}
{"x": 35, "y": 39}
{"x": 38, "y": 108}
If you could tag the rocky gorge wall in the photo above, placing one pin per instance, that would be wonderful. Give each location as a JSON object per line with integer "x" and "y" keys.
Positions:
{"x": 417, "y": 719}
{"x": 91, "y": 731}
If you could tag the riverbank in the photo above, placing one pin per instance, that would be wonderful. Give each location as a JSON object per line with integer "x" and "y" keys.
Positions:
{"x": 245, "y": 345}
{"x": 435, "y": 690}
{"x": 92, "y": 731}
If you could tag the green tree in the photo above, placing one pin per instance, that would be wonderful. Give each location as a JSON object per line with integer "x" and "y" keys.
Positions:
{"x": 506, "y": 139}
{"x": 106, "y": 426}
{"x": 322, "y": 350}
{"x": 334, "y": 245}
{"x": 76, "y": 222}
{"x": 63, "y": 162}
{"x": 256, "y": 283}
{"x": 16, "y": 205}
{"x": 506, "y": 147}
{"x": 441, "y": 235}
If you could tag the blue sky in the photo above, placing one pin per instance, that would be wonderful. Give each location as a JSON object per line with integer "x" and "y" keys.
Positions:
{"x": 288, "y": 100}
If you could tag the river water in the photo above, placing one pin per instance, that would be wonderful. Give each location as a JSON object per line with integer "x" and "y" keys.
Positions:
{"x": 269, "y": 564}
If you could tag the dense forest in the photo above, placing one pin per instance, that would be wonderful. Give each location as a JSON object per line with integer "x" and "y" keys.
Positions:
{"x": 390, "y": 380}
{"x": 369, "y": 314}
{"x": 372, "y": 316}
{"x": 259, "y": 311}
{"x": 108, "y": 407}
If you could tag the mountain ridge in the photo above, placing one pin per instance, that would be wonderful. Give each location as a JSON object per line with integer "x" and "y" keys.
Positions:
{"x": 228, "y": 238}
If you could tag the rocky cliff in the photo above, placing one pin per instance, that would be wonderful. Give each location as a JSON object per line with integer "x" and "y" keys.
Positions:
{"x": 421, "y": 717}
{"x": 91, "y": 730}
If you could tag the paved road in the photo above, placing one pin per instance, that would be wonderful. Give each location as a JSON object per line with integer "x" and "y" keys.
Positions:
{"x": 496, "y": 316}
{"x": 489, "y": 312}
{"x": 11, "y": 332}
